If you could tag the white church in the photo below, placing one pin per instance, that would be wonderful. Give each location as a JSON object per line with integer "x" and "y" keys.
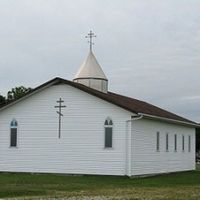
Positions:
{"x": 79, "y": 127}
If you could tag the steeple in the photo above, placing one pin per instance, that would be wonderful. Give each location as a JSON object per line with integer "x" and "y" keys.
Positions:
{"x": 90, "y": 73}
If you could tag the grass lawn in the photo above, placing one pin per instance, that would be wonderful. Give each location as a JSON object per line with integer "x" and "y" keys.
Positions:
{"x": 183, "y": 186}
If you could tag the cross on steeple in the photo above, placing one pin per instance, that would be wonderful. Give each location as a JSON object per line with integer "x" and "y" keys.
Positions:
{"x": 90, "y": 36}
{"x": 60, "y": 106}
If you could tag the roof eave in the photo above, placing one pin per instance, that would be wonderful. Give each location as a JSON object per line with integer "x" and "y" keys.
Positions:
{"x": 195, "y": 125}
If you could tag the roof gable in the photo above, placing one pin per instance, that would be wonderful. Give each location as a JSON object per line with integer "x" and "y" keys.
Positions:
{"x": 127, "y": 103}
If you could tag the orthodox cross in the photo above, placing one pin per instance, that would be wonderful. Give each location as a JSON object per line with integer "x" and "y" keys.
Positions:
{"x": 90, "y": 36}
{"x": 60, "y": 106}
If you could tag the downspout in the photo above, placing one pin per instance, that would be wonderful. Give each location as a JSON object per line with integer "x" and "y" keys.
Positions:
{"x": 129, "y": 143}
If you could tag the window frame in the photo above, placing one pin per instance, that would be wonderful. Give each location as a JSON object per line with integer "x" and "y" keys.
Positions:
{"x": 157, "y": 141}
{"x": 189, "y": 143}
{"x": 167, "y": 142}
{"x": 175, "y": 143}
{"x": 110, "y": 126}
{"x": 13, "y": 126}
{"x": 183, "y": 143}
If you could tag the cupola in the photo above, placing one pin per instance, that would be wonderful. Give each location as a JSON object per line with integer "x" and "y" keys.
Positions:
{"x": 90, "y": 73}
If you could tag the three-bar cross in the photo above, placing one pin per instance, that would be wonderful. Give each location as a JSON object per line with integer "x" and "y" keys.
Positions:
{"x": 90, "y": 36}
{"x": 60, "y": 106}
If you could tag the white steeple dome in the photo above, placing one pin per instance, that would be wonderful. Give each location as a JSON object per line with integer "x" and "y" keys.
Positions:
{"x": 90, "y": 72}
{"x": 90, "y": 68}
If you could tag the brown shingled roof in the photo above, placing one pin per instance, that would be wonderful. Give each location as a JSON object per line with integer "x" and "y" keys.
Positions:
{"x": 130, "y": 104}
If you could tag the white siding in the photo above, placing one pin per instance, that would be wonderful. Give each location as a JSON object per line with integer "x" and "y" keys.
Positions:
{"x": 145, "y": 158}
{"x": 80, "y": 150}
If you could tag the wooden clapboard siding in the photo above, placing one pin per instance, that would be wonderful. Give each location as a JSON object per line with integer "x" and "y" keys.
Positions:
{"x": 145, "y": 158}
{"x": 80, "y": 150}
{"x": 81, "y": 147}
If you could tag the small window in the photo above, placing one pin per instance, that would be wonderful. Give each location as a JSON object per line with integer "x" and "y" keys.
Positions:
{"x": 13, "y": 133}
{"x": 13, "y": 123}
{"x": 183, "y": 143}
{"x": 167, "y": 142}
{"x": 158, "y": 141}
{"x": 189, "y": 143}
{"x": 13, "y": 137}
{"x": 108, "y": 125}
{"x": 175, "y": 142}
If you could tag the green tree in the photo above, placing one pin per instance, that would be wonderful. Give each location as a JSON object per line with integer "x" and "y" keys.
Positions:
{"x": 2, "y": 100}
{"x": 17, "y": 92}
{"x": 197, "y": 139}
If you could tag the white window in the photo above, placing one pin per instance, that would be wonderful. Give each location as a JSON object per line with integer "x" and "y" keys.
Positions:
{"x": 108, "y": 126}
{"x": 13, "y": 133}
{"x": 157, "y": 141}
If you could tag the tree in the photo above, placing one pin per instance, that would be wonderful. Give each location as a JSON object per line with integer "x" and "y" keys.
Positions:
{"x": 197, "y": 139}
{"x": 2, "y": 100}
{"x": 17, "y": 92}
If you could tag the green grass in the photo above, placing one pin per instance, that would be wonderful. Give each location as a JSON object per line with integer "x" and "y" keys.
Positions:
{"x": 183, "y": 185}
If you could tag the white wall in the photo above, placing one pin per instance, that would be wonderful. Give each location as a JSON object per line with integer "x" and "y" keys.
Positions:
{"x": 81, "y": 147}
{"x": 145, "y": 158}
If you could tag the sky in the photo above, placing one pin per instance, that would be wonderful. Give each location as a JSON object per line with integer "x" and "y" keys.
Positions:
{"x": 148, "y": 49}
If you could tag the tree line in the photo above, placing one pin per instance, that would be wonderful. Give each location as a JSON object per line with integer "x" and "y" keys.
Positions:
{"x": 13, "y": 94}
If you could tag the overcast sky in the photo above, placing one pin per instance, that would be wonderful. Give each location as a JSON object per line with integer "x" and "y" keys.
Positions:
{"x": 149, "y": 49}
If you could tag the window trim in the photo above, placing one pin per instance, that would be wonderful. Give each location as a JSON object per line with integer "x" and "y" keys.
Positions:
{"x": 167, "y": 142}
{"x": 157, "y": 141}
{"x": 189, "y": 143}
{"x": 175, "y": 143}
{"x": 183, "y": 143}
{"x": 108, "y": 126}
{"x": 13, "y": 125}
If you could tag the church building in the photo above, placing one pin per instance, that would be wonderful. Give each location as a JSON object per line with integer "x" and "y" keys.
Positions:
{"x": 79, "y": 127}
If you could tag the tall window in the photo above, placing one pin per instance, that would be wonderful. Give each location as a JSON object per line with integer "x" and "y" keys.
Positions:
{"x": 183, "y": 143}
{"x": 167, "y": 142}
{"x": 189, "y": 143}
{"x": 108, "y": 125}
{"x": 13, "y": 133}
{"x": 175, "y": 142}
{"x": 158, "y": 141}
